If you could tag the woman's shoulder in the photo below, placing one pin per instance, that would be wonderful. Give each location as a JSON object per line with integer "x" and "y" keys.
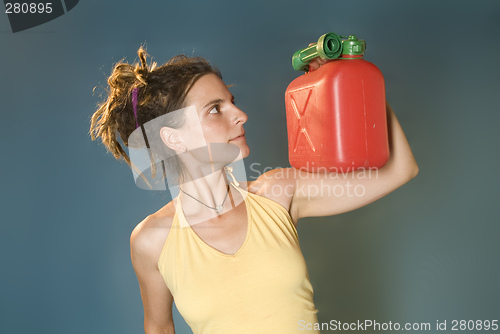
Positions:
{"x": 276, "y": 184}
{"x": 148, "y": 237}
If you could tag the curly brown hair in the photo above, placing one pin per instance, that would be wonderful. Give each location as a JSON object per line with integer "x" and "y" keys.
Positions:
{"x": 161, "y": 90}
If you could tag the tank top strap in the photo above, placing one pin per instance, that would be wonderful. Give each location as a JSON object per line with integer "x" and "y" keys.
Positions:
{"x": 229, "y": 169}
{"x": 234, "y": 183}
{"x": 179, "y": 215}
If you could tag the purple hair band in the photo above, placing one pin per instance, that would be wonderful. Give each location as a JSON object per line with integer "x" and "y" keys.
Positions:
{"x": 134, "y": 105}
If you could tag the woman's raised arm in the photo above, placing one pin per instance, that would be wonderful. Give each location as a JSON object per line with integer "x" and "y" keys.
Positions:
{"x": 330, "y": 194}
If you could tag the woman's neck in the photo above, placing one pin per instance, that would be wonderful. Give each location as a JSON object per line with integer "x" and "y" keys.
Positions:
{"x": 212, "y": 190}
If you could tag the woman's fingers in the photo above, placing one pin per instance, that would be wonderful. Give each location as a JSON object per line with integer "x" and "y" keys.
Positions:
{"x": 316, "y": 63}
{"x": 313, "y": 66}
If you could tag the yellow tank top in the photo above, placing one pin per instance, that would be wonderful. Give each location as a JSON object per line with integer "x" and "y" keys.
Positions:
{"x": 263, "y": 288}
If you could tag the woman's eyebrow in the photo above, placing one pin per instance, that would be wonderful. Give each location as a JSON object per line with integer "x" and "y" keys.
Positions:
{"x": 217, "y": 101}
{"x": 213, "y": 102}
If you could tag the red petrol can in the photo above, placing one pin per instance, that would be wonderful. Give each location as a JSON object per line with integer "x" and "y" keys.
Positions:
{"x": 336, "y": 115}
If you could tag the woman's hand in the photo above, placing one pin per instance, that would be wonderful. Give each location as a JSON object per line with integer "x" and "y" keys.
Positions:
{"x": 317, "y": 62}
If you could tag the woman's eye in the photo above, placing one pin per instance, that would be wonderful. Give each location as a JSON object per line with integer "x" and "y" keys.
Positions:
{"x": 215, "y": 110}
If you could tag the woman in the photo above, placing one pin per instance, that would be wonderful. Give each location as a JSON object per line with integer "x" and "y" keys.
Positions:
{"x": 227, "y": 252}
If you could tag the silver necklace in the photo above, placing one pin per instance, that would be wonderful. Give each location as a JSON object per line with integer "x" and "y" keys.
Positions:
{"x": 218, "y": 208}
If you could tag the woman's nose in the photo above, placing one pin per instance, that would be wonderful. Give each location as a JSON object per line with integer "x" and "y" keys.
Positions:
{"x": 240, "y": 116}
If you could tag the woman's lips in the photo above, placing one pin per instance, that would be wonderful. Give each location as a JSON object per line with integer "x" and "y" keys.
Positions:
{"x": 238, "y": 138}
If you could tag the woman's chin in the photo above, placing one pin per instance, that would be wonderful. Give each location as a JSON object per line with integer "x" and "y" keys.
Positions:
{"x": 246, "y": 154}
{"x": 242, "y": 147}
{"x": 244, "y": 151}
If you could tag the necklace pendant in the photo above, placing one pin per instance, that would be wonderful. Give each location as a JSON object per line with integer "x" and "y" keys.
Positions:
{"x": 218, "y": 208}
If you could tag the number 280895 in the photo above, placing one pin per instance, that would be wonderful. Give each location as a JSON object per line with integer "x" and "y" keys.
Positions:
{"x": 28, "y": 8}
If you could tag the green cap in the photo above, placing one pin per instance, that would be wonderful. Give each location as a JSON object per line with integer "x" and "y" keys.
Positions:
{"x": 329, "y": 46}
{"x": 353, "y": 46}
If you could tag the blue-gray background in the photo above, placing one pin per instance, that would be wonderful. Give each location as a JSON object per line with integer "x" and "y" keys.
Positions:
{"x": 429, "y": 251}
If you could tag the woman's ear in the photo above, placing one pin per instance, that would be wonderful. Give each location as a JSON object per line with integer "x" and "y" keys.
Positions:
{"x": 173, "y": 139}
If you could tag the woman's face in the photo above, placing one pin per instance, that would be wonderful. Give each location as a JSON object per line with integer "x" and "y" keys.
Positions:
{"x": 212, "y": 117}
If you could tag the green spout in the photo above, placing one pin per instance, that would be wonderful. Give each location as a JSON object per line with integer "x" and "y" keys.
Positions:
{"x": 329, "y": 46}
